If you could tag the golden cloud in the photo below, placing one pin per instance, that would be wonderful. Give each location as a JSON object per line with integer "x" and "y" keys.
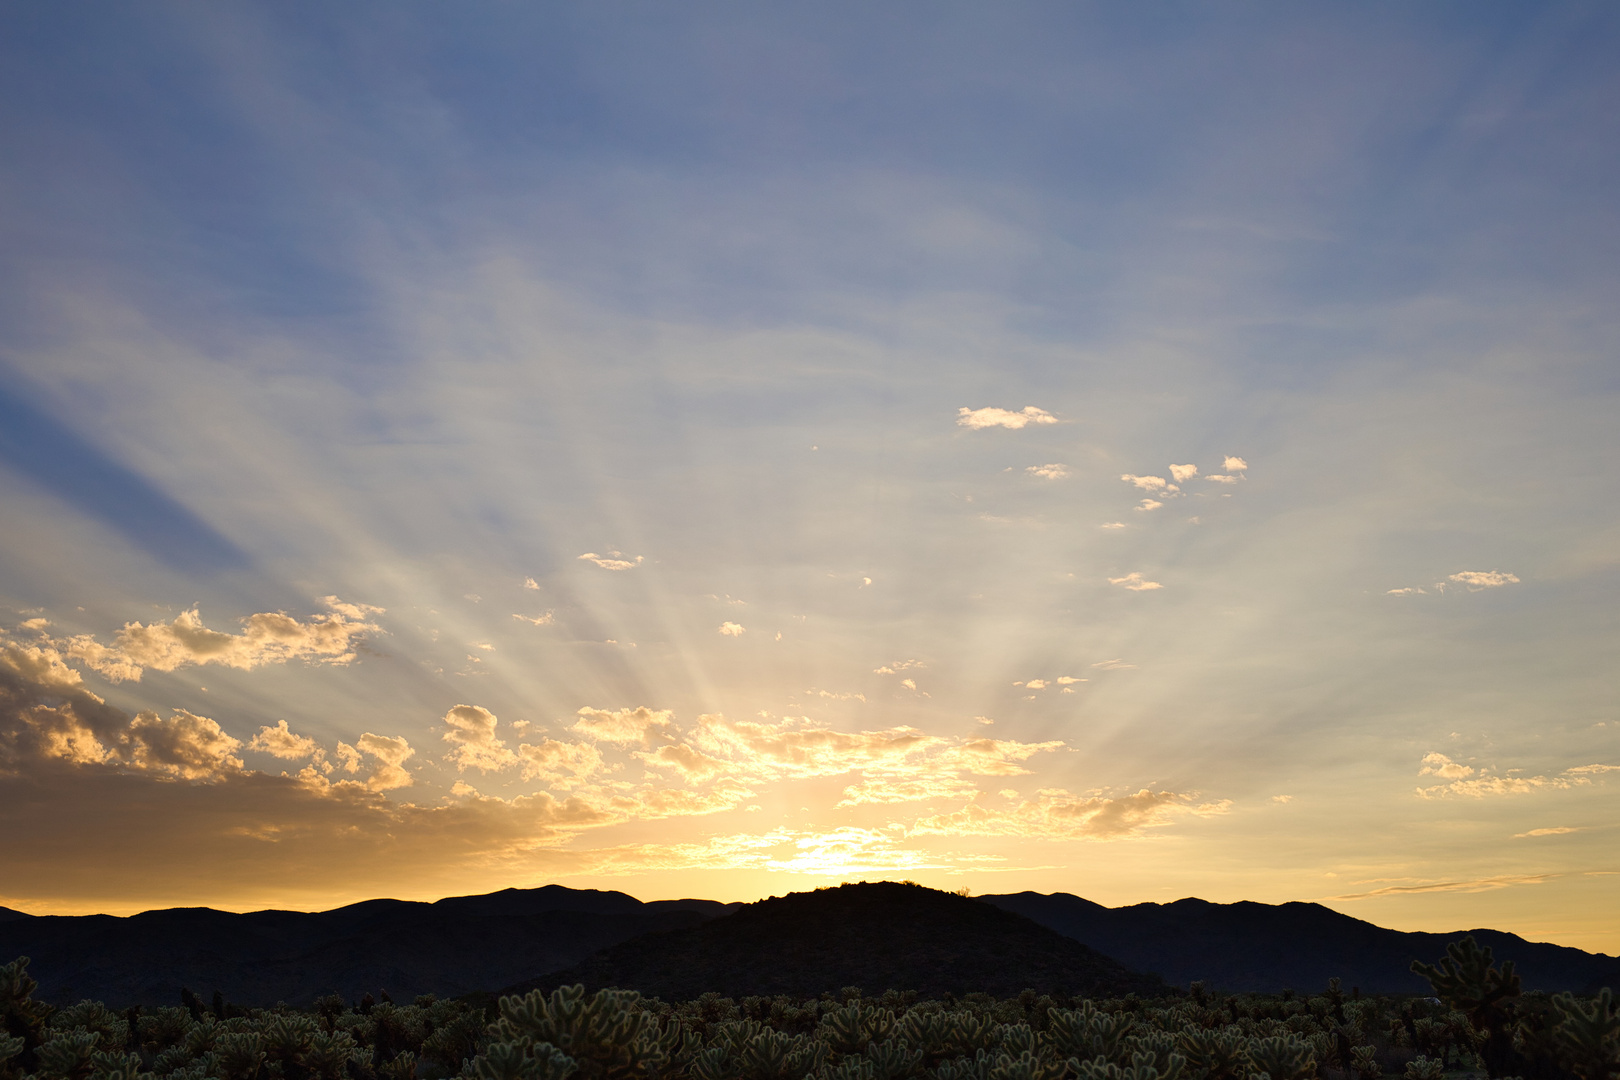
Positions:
{"x": 266, "y": 638}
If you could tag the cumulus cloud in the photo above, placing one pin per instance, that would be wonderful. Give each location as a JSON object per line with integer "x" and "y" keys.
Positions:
{"x": 542, "y": 619}
{"x": 1182, "y": 473}
{"x": 694, "y": 765}
{"x": 1557, "y": 830}
{"x": 1580, "y": 769}
{"x": 1134, "y": 582}
{"x": 624, "y": 726}
{"x": 1065, "y": 680}
{"x": 1223, "y": 479}
{"x": 471, "y": 733}
{"x": 1148, "y": 483}
{"x": 1053, "y": 471}
{"x": 1035, "y": 684}
{"x": 1465, "y": 780}
{"x": 1112, "y": 525}
{"x": 561, "y": 764}
{"x": 280, "y": 742}
{"x": 1484, "y": 579}
{"x": 896, "y": 666}
{"x": 184, "y": 744}
{"x": 1410, "y": 590}
{"x": 1437, "y": 764}
{"x": 731, "y": 629}
{"x": 613, "y": 560}
{"x": 266, "y": 638}
{"x": 1147, "y": 505}
{"x": 977, "y": 419}
{"x": 1235, "y": 464}
{"x": 391, "y": 753}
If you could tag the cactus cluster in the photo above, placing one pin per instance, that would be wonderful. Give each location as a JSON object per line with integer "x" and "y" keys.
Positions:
{"x": 570, "y": 1034}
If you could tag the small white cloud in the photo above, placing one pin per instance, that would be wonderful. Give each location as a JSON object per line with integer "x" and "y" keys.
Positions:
{"x": 1134, "y": 582}
{"x": 731, "y": 629}
{"x": 1036, "y": 684}
{"x": 1235, "y": 464}
{"x": 1437, "y": 764}
{"x": 279, "y": 742}
{"x": 1223, "y": 479}
{"x": 1558, "y": 830}
{"x": 484, "y": 645}
{"x": 543, "y": 619}
{"x": 1149, "y": 505}
{"x": 978, "y": 419}
{"x": 1112, "y": 525}
{"x": 1067, "y": 680}
{"x": 474, "y": 597}
{"x": 909, "y": 684}
{"x": 1146, "y": 483}
{"x": 984, "y": 719}
{"x": 1410, "y": 590}
{"x": 1594, "y": 768}
{"x": 1183, "y": 473}
{"x": 530, "y": 583}
{"x": 1484, "y": 579}
{"x": 1053, "y": 471}
{"x": 35, "y": 624}
{"x": 613, "y": 560}
{"x": 1282, "y": 798}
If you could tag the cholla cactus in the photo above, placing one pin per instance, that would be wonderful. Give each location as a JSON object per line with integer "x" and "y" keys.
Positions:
{"x": 1087, "y": 1033}
{"x": 608, "y": 1035}
{"x": 67, "y": 1055}
{"x": 1425, "y": 1068}
{"x": 1026, "y": 1066}
{"x": 522, "y": 1061}
{"x": 1282, "y": 1058}
{"x": 1141, "y": 1068}
{"x": 238, "y": 1055}
{"x": 1215, "y": 1055}
{"x": 117, "y": 1067}
{"x": 1588, "y": 1035}
{"x": 851, "y": 1028}
{"x": 1364, "y": 1060}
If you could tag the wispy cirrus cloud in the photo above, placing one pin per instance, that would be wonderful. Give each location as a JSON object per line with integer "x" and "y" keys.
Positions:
{"x": 1135, "y": 582}
{"x": 1060, "y": 815}
{"x": 613, "y": 560}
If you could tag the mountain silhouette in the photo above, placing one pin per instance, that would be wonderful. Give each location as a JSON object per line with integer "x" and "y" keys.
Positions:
{"x": 455, "y": 946}
{"x": 877, "y": 936}
{"x": 1271, "y": 947}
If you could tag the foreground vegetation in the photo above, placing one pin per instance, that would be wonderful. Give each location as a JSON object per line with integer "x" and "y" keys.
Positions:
{"x": 1478, "y": 1023}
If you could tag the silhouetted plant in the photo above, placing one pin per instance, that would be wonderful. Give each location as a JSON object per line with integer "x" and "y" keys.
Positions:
{"x": 1588, "y": 1035}
{"x": 1466, "y": 980}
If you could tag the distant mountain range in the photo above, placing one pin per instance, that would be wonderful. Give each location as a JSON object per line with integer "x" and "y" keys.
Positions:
{"x": 1271, "y": 947}
{"x": 878, "y": 936}
{"x": 889, "y": 936}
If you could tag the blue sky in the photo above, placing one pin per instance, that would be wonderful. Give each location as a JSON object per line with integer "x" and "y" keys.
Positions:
{"x": 664, "y": 448}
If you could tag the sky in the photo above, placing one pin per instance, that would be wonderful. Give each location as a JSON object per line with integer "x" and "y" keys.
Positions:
{"x": 1140, "y": 451}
